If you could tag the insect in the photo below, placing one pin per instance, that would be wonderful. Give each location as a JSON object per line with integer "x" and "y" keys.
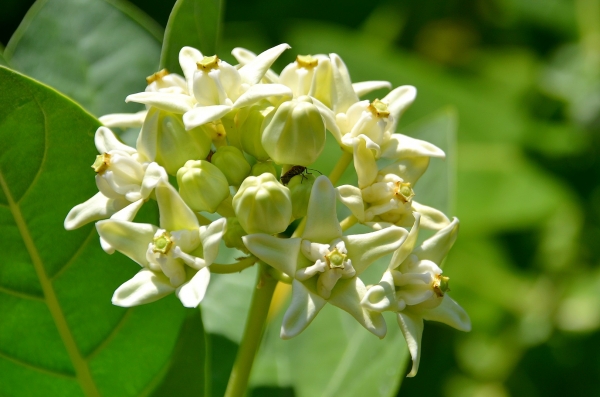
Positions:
{"x": 292, "y": 172}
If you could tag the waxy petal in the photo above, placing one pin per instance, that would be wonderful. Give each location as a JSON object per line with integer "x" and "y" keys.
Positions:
{"x": 381, "y": 297}
{"x": 106, "y": 140}
{"x": 204, "y": 114}
{"x": 262, "y": 91}
{"x": 410, "y": 169}
{"x": 174, "y": 212}
{"x": 431, "y": 218}
{"x": 351, "y": 197}
{"x": 322, "y": 225}
{"x": 192, "y": 292}
{"x": 129, "y": 212}
{"x": 145, "y": 287}
{"x": 211, "y": 236}
{"x": 437, "y": 246}
{"x": 343, "y": 95}
{"x": 347, "y": 295}
{"x": 304, "y": 307}
{"x": 412, "y": 329}
{"x": 244, "y": 56}
{"x": 281, "y": 253}
{"x": 188, "y": 59}
{"x": 365, "y": 87}
{"x": 154, "y": 175}
{"x": 404, "y": 146}
{"x": 97, "y": 207}
{"x": 364, "y": 162}
{"x": 398, "y": 100}
{"x": 174, "y": 103}
{"x": 130, "y": 239}
{"x": 449, "y": 312}
{"x": 254, "y": 70}
{"x": 366, "y": 248}
{"x": 124, "y": 120}
{"x": 329, "y": 118}
{"x": 408, "y": 246}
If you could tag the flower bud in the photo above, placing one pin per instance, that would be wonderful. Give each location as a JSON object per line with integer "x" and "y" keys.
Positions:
{"x": 233, "y": 234}
{"x": 202, "y": 185}
{"x": 263, "y": 205}
{"x": 295, "y": 134}
{"x": 262, "y": 167}
{"x": 249, "y": 121}
{"x": 232, "y": 163}
{"x": 300, "y": 187}
{"x": 163, "y": 139}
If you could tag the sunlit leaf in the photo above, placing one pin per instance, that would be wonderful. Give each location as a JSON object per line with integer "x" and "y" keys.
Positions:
{"x": 95, "y": 51}
{"x": 194, "y": 23}
{"x": 58, "y": 331}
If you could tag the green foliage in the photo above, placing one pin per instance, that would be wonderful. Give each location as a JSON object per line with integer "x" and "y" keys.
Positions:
{"x": 194, "y": 23}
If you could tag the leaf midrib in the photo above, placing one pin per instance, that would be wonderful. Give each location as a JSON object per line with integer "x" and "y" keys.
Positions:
{"x": 82, "y": 370}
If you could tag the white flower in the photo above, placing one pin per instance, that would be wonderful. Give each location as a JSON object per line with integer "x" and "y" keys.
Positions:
{"x": 124, "y": 178}
{"x": 174, "y": 257}
{"x": 414, "y": 288}
{"x": 325, "y": 264}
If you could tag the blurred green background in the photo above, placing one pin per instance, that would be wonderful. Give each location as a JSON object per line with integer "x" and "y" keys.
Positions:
{"x": 524, "y": 77}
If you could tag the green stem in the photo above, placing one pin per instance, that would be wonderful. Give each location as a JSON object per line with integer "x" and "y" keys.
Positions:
{"x": 348, "y": 222}
{"x": 255, "y": 324}
{"x": 234, "y": 267}
{"x": 340, "y": 167}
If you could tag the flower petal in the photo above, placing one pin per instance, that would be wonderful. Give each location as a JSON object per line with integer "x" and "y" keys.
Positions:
{"x": 281, "y": 253}
{"x": 437, "y": 246}
{"x": 351, "y": 197}
{"x": 254, "y": 70}
{"x": 304, "y": 307}
{"x": 188, "y": 59}
{"x": 431, "y": 218}
{"x": 398, "y": 100}
{"x": 145, "y": 287}
{"x": 381, "y": 297}
{"x": 130, "y": 239}
{"x": 204, "y": 114}
{"x": 106, "y": 140}
{"x": 408, "y": 246}
{"x": 364, "y": 249}
{"x": 174, "y": 212}
{"x": 174, "y": 103}
{"x": 129, "y": 212}
{"x": 192, "y": 292}
{"x": 412, "y": 329}
{"x": 153, "y": 176}
{"x": 400, "y": 145}
{"x": 329, "y": 118}
{"x": 364, "y": 87}
{"x": 449, "y": 312}
{"x": 409, "y": 169}
{"x": 124, "y": 120}
{"x": 364, "y": 162}
{"x": 347, "y": 295}
{"x": 343, "y": 95}
{"x": 97, "y": 207}
{"x": 322, "y": 225}
{"x": 211, "y": 237}
{"x": 262, "y": 91}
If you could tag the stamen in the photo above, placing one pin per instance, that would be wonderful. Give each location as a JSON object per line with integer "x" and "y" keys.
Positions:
{"x": 307, "y": 61}
{"x": 440, "y": 285}
{"x": 404, "y": 191}
{"x": 208, "y": 63}
{"x": 379, "y": 109}
{"x": 335, "y": 259}
{"x": 162, "y": 243}
{"x": 157, "y": 76}
{"x": 101, "y": 163}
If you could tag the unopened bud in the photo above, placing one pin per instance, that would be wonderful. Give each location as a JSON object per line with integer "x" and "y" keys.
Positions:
{"x": 233, "y": 234}
{"x": 202, "y": 185}
{"x": 263, "y": 205}
{"x": 231, "y": 161}
{"x": 262, "y": 167}
{"x": 249, "y": 121}
{"x": 300, "y": 187}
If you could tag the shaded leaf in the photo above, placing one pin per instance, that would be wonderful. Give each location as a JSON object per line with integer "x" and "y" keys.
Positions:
{"x": 95, "y": 51}
{"x": 58, "y": 330}
{"x": 194, "y": 23}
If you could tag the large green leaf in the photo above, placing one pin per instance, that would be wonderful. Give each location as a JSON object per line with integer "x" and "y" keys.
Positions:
{"x": 95, "y": 51}
{"x": 194, "y": 23}
{"x": 58, "y": 331}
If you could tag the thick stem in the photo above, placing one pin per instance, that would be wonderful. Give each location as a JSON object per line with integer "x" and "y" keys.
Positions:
{"x": 234, "y": 267}
{"x": 348, "y": 222}
{"x": 255, "y": 324}
{"x": 340, "y": 167}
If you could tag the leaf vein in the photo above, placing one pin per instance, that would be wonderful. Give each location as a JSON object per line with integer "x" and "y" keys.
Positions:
{"x": 113, "y": 333}
{"x": 35, "y": 367}
{"x": 73, "y": 257}
{"x": 22, "y": 295}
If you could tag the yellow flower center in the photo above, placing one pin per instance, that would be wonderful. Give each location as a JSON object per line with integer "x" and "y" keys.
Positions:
{"x": 440, "y": 285}
{"x": 403, "y": 191}
{"x": 157, "y": 76}
{"x": 101, "y": 163}
{"x": 307, "y": 61}
{"x": 208, "y": 63}
{"x": 379, "y": 109}
{"x": 162, "y": 243}
{"x": 335, "y": 259}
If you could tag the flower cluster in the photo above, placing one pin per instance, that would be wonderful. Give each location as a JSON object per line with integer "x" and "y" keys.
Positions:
{"x": 239, "y": 140}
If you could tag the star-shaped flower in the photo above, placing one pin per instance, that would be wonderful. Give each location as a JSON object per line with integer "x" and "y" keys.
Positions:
{"x": 325, "y": 264}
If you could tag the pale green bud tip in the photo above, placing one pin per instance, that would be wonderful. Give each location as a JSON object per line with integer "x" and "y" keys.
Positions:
{"x": 307, "y": 61}
{"x": 440, "y": 285}
{"x": 157, "y": 76}
{"x": 336, "y": 259}
{"x": 162, "y": 243}
{"x": 404, "y": 191}
{"x": 379, "y": 108}
{"x": 208, "y": 63}
{"x": 233, "y": 235}
{"x": 202, "y": 186}
{"x": 232, "y": 163}
{"x": 263, "y": 167}
{"x": 101, "y": 163}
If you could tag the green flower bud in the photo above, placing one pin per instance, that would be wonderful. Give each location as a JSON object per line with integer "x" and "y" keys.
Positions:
{"x": 249, "y": 121}
{"x": 163, "y": 138}
{"x": 262, "y": 167}
{"x": 300, "y": 187}
{"x": 232, "y": 163}
{"x": 233, "y": 234}
{"x": 263, "y": 205}
{"x": 295, "y": 134}
{"x": 202, "y": 185}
